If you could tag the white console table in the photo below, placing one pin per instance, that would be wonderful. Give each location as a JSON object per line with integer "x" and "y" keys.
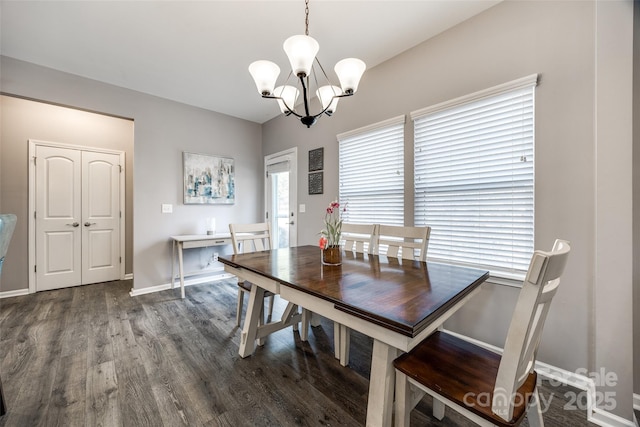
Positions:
{"x": 193, "y": 241}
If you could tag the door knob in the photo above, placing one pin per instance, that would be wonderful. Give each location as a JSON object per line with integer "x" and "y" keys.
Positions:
{"x": 291, "y": 223}
{"x": 75, "y": 224}
{"x": 88, "y": 224}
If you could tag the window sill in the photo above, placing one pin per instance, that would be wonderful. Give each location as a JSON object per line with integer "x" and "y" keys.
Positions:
{"x": 503, "y": 281}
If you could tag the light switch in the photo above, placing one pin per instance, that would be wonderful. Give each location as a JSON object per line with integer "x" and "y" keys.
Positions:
{"x": 302, "y": 208}
{"x": 167, "y": 208}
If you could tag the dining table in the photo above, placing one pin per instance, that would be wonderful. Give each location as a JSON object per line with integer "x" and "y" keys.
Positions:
{"x": 396, "y": 302}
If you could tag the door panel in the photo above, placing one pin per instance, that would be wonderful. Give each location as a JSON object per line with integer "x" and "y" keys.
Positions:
{"x": 58, "y": 237}
{"x": 77, "y": 223}
{"x": 101, "y": 217}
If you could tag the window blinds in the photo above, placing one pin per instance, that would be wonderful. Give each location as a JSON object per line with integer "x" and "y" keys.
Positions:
{"x": 371, "y": 173}
{"x": 474, "y": 178}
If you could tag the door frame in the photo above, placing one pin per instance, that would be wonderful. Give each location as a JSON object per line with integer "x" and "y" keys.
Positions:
{"x": 290, "y": 154}
{"x": 33, "y": 144}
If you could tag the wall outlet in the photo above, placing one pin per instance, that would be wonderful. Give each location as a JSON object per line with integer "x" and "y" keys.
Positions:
{"x": 214, "y": 258}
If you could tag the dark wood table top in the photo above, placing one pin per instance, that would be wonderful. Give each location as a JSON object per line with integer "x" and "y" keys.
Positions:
{"x": 401, "y": 295}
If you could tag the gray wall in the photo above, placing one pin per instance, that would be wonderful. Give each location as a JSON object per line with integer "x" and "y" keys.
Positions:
{"x": 513, "y": 39}
{"x": 162, "y": 131}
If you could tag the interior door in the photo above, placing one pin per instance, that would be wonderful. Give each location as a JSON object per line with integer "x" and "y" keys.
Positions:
{"x": 281, "y": 197}
{"x": 100, "y": 217}
{"x": 77, "y": 226}
{"x": 58, "y": 216}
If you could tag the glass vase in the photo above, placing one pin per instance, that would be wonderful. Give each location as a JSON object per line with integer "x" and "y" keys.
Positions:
{"x": 332, "y": 255}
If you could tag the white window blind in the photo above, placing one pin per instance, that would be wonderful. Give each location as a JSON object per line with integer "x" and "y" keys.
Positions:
{"x": 474, "y": 178}
{"x": 371, "y": 180}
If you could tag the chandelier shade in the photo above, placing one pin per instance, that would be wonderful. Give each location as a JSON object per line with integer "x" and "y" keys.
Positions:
{"x": 349, "y": 73}
{"x": 328, "y": 97}
{"x": 301, "y": 51}
{"x": 306, "y": 70}
{"x": 265, "y": 74}
{"x": 287, "y": 97}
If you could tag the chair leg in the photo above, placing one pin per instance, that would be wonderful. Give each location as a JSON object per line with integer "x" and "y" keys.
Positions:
{"x": 260, "y": 323}
{"x": 534, "y": 412}
{"x": 296, "y": 326}
{"x": 270, "y": 311}
{"x": 239, "y": 306}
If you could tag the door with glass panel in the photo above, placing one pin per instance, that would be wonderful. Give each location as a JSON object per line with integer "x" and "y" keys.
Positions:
{"x": 281, "y": 197}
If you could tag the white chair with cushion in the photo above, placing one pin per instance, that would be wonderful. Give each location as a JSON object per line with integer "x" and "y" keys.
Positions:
{"x": 248, "y": 238}
{"x": 487, "y": 388}
{"x": 359, "y": 238}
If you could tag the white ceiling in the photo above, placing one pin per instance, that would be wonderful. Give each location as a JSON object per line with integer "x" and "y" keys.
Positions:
{"x": 197, "y": 52}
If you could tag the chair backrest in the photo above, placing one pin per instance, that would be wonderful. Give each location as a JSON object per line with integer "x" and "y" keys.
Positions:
{"x": 525, "y": 330}
{"x": 250, "y": 237}
{"x": 359, "y": 237}
{"x": 403, "y": 242}
{"x": 7, "y": 225}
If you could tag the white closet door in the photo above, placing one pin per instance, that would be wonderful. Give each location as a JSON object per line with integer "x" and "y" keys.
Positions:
{"x": 58, "y": 216}
{"x": 100, "y": 217}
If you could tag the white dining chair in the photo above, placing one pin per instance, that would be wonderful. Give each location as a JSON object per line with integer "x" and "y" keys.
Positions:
{"x": 403, "y": 242}
{"x": 359, "y": 238}
{"x": 485, "y": 387}
{"x": 397, "y": 242}
{"x": 248, "y": 238}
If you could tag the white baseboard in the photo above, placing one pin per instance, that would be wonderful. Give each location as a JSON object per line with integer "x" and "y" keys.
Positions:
{"x": 581, "y": 382}
{"x": 128, "y": 276}
{"x": 607, "y": 419}
{"x": 188, "y": 282}
{"x": 16, "y": 293}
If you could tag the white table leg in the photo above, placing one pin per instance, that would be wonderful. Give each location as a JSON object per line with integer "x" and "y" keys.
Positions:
{"x": 336, "y": 339}
{"x": 315, "y": 320}
{"x": 251, "y": 321}
{"x": 306, "y": 320}
{"x": 381, "y": 385}
{"x": 181, "y": 269}
{"x": 345, "y": 340}
{"x": 173, "y": 264}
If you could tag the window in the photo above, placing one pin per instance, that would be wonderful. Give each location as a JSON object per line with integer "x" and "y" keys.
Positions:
{"x": 371, "y": 181}
{"x": 474, "y": 178}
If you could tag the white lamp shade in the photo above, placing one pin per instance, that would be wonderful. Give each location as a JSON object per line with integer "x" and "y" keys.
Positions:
{"x": 289, "y": 94}
{"x": 349, "y": 72}
{"x": 265, "y": 74}
{"x": 325, "y": 94}
{"x": 301, "y": 51}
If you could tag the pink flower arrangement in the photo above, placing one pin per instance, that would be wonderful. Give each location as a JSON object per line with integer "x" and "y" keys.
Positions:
{"x": 333, "y": 225}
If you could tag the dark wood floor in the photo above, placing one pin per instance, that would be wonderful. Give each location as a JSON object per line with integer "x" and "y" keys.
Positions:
{"x": 93, "y": 355}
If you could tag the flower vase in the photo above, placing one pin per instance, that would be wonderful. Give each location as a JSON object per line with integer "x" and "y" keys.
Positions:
{"x": 332, "y": 255}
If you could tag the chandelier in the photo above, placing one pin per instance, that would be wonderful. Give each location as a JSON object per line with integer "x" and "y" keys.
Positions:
{"x": 306, "y": 71}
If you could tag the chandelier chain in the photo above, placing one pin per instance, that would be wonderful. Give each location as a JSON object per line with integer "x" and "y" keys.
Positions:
{"x": 306, "y": 19}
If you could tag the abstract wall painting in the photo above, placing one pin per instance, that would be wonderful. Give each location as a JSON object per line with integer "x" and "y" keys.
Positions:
{"x": 208, "y": 179}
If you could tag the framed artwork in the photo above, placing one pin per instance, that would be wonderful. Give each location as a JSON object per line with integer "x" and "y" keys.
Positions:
{"x": 316, "y": 159}
{"x": 208, "y": 179}
{"x": 315, "y": 182}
